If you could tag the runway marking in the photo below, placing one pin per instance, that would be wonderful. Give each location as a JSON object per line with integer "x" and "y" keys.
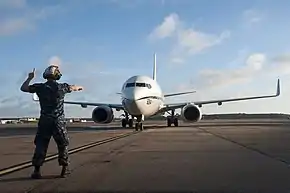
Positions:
{"x": 27, "y": 164}
{"x": 247, "y": 147}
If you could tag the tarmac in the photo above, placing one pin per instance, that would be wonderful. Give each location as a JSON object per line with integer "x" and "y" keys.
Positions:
{"x": 209, "y": 156}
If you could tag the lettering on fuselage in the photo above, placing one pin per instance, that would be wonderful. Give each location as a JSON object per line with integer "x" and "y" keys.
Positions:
{"x": 149, "y": 101}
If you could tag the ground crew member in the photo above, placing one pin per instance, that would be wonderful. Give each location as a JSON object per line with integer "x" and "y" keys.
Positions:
{"x": 52, "y": 119}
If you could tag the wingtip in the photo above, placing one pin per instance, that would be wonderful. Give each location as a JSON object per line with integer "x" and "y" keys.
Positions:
{"x": 278, "y": 88}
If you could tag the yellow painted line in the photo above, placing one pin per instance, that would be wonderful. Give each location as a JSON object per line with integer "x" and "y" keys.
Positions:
{"x": 27, "y": 164}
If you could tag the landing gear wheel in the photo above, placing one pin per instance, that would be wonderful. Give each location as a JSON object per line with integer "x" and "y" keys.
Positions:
{"x": 124, "y": 123}
{"x": 175, "y": 122}
{"x": 139, "y": 126}
{"x": 130, "y": 122}
{"x": 172, "y": 120}
{"x": 168, "y": 122}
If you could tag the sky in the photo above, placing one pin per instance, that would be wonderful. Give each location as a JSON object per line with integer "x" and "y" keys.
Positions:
{"x": 221, "y": 49}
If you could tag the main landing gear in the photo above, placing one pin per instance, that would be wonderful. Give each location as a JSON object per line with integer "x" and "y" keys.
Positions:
{"x": 172, "y": 119}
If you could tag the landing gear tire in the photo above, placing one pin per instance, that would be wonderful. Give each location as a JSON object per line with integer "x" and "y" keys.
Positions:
{"x": 168, "y": 122}
{"x": 124, "y": 123}
{"x": 172, "y": 120}
{"x": 130, "y": 122}
{"x": 139, "y": 126}
{"x": 175, "y": 122}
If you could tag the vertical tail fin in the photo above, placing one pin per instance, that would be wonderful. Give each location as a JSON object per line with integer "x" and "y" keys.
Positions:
{"x": 154, "y": 67}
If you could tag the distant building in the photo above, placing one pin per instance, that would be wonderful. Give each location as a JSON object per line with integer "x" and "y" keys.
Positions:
{"x": 9, "y": 121}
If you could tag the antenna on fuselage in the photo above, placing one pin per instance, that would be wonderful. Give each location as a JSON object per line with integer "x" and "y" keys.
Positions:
{"x": 154, "y": 67}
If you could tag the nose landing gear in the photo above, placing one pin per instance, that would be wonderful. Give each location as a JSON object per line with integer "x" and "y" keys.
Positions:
{"x": 139, "y": 124}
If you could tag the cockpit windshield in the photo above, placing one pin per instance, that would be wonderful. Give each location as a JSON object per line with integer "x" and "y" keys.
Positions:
{"x": 138, "y": 84}
{"x": 130, "y": 85}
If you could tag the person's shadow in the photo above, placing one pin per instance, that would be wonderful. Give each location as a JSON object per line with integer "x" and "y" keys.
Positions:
{"x": 29, "y": 179}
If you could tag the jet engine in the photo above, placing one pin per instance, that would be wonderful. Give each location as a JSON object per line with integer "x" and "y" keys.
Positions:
{"x": 191, "y": 113}
{"x": 103, "y": 114}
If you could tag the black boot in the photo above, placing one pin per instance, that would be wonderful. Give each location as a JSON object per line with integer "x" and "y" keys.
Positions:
{"x": 65, "y": 171}
{"x": 36, "y": 173}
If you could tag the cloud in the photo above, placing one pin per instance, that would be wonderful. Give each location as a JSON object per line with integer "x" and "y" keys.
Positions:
{"x": 55, "y": 60}
{"x": 12, "y": 4}
{"x": 253, "y": 65}
{"x": 256, "y": 65}
{"x": 255, "y": 76}
{"x": 252, "y": 16}
{"x": 281, "y": 64}
{"x": 166, "y": 28}
{"x": 14, "y": 25}
{"x": 187, "y": 40}
{"x": 194, "y": 41}
{"x": 177, "y": 60}
{"x": 18, "y": 16}
{"x": 256, "y": 61}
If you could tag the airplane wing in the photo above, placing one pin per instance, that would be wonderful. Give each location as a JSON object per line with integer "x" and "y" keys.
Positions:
{"x": 171, "y": 94}
{"x": 85, "y": 104}
{"x": 178, "y": 93}
{"x": 173, "y": 106}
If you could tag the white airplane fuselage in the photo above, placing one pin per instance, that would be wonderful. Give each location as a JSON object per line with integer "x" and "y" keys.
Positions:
{"x": 142, "y": 96}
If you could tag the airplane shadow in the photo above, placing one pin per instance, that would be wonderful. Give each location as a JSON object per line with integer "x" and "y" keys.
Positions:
{"x": 19, "y": 179}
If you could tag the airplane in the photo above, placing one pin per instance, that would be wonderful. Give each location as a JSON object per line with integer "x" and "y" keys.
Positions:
{"x": 142, "y": 97}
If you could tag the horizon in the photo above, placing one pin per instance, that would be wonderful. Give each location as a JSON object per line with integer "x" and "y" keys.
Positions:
{"x": 1, "y": 118}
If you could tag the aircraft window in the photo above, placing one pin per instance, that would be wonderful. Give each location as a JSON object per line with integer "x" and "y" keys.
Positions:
{"x": 148, "y": 86}
{"x": 140, "y": 85}
{"x": 130, "y": 85}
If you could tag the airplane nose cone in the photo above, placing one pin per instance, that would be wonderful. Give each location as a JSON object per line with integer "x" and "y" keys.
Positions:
{"x": 134, "y": 107}
{"x": 132, "y": 103}
{"x": 134, "y": 95}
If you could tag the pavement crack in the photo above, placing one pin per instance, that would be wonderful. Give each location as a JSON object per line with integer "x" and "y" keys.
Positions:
{"x": 247, "y": 147}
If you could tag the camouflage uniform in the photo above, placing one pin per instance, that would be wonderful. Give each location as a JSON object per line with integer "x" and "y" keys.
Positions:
{"x": 52, "y": 121}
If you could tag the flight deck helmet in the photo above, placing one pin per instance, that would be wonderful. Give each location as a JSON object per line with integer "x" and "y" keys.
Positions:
{"x": 52, "y": 72}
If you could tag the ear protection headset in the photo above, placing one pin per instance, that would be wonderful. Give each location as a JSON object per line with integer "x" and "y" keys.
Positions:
{"x": 52, "y": 72}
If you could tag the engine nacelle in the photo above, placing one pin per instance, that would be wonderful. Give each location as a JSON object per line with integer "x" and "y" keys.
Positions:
{"x": 191, "y": 113}
{"x": 103, "y": 114}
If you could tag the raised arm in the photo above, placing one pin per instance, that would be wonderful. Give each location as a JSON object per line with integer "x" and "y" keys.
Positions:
{"x": 25, "y": 85}
{"x": 67, "y": 88}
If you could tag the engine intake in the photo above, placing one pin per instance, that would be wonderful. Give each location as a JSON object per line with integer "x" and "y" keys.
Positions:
{"x": 103, "y": 114}
{"x": 191, "y": 113}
